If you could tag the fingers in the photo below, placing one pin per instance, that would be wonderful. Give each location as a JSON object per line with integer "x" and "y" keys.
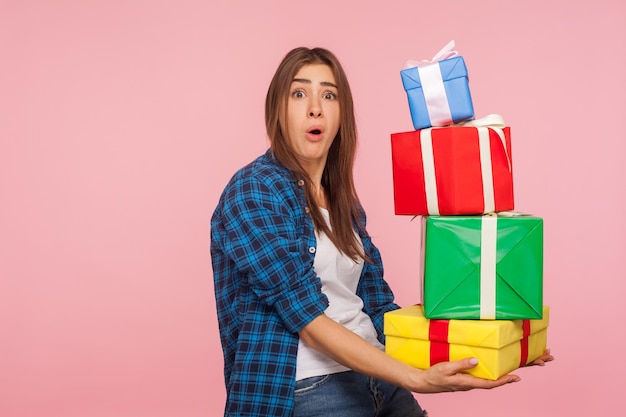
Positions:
{"x": 507, "y": 379}
{"x": 467, "y": 381}
{"x": 541, "y": 361}
{"x": 452, "y": 376}
{"x": 461, "y": 365}
{"x": 480, "y": 383}
{"x": 547, "y": 357}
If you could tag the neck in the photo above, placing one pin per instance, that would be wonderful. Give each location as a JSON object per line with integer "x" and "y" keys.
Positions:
{"x": 314, "y": 169}
{"x": 320, "y": 195}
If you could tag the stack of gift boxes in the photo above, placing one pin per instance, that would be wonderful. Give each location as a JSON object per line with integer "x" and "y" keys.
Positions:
{"x": 481, "y": 262}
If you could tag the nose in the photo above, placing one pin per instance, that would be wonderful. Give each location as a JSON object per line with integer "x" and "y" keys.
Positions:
{"x": 315, "y": 108}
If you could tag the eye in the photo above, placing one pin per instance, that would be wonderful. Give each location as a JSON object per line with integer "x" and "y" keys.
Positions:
{"x": 330, "y": 96}
{"x": 297, "y": 93}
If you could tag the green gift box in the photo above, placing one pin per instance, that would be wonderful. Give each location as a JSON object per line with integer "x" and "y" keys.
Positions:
{"x": 482, "y": 267}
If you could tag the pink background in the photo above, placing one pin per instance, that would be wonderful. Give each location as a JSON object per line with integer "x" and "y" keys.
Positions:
{"x": 121, "y": 121}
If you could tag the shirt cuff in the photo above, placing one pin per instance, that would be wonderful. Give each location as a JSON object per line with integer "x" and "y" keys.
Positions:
{"x": 300, "y": 306}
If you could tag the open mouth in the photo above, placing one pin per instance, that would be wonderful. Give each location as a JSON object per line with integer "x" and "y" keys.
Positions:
{"x": 315, "y": 131}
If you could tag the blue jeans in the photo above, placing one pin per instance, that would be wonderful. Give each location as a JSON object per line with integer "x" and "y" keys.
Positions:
{"x": 350, "y": 394}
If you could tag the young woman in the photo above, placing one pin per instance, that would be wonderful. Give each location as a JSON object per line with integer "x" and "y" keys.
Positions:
{"x": 298, "y": 282}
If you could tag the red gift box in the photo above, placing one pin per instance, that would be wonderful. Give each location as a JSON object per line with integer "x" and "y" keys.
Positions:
{"x": 456, "y": 170}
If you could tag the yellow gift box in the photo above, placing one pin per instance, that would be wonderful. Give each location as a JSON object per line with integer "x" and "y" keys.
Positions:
{"x": 501, "y": 346}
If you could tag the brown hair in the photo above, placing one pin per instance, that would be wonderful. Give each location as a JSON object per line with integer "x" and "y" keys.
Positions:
{"x": 337, "y": 178}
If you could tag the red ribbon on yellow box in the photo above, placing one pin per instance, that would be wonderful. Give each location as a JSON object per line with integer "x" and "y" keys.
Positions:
{"x": 440, "y": 348}
{"x": 438, "y": 336}
{"x": 524, "y": 342}
{"x": 501, "y": 346}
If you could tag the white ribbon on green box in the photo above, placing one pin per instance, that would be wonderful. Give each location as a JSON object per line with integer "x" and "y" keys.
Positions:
{"x": 488, "y": 261}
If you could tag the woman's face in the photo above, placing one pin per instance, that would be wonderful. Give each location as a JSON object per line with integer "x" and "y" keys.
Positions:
{"x": 313, "y": 115}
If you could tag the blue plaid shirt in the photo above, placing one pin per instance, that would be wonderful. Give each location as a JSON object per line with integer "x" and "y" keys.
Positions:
{"x": 262, "y": 250}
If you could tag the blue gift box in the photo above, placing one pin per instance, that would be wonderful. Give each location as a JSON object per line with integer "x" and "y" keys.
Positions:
{"x": 453, "y": 76}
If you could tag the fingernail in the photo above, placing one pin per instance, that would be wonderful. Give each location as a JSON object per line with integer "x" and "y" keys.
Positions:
{"x": 516, "y": 379}
{"x": 473, "y": 361}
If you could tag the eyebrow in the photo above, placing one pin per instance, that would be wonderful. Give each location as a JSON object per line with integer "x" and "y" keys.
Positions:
{"x": 306, "y": 81}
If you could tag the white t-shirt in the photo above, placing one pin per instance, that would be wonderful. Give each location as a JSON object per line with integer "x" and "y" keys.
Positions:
{"x": 340, "y": 277}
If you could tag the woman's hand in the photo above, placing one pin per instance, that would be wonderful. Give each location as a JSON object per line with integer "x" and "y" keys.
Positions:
{"x": 449, "y": 376}
{"x": 339, "y": 343}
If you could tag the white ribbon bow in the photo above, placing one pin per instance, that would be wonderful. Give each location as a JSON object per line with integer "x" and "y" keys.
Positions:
{"x": 490, "y": 120}
{"x": 445, "y": 53}
{"x": 496, "y": 123}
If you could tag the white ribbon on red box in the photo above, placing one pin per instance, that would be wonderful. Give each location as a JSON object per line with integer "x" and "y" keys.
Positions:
{"x": 494, "y": 122}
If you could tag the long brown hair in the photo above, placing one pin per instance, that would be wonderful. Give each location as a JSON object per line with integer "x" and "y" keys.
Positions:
{"x": 337, "y": 178}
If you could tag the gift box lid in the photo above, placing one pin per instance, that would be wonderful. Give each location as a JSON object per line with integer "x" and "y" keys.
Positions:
{"x": 409, "y": 322}
{"x": 451, "y": 68}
